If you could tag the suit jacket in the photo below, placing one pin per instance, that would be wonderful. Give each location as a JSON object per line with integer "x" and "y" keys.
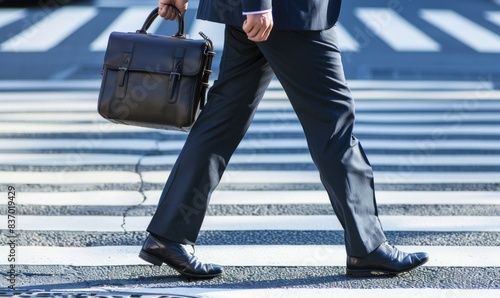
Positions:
{"x": 287, "y": 14}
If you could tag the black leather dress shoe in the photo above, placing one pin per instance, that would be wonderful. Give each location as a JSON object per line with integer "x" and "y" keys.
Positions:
{"x": 177, "y": 256}
{"x": 385, "y": 260}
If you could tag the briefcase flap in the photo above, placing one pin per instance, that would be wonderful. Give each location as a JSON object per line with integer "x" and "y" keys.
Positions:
{"x": 155, "y": 53}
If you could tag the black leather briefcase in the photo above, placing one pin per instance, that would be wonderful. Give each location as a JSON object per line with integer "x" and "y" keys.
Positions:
{"x": 155, "y": 81}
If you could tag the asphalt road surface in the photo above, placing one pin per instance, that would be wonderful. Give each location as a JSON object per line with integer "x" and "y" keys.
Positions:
{"x": 85, "y": 190}
{"x": 80, "y": 190}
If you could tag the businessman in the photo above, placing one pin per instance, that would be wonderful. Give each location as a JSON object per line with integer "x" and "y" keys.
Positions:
{"x": 296, "y": 41}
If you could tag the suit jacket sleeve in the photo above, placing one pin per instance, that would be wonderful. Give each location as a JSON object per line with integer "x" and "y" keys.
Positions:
{"x": 256, "y": 5}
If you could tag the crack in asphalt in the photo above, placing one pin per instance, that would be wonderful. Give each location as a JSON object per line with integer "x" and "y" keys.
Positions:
{"x": 154, "y": 151}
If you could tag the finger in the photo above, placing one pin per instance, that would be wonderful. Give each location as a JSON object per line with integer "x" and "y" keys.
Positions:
{"x": 261, "y": 35}
{"x": 267, "y": 32}
{"x": 165, "y": 13}
{"x": 162, "y": 11}
{"x": 171, "y": 14}
{"x": 256, "y": 37}
{"x": 254, "y": 32}
{"x": 247, "y": 27}
{"x": 251, "y": 28}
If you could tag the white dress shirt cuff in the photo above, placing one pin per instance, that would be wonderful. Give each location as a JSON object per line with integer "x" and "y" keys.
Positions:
{"x": 257, "y": 12}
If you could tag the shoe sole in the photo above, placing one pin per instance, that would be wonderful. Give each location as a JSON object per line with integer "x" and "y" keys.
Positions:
{"x": 377, "y": 272}
{"x": 158, "y": 262}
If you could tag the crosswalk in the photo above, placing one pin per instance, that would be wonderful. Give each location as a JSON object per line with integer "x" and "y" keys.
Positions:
{"x": 395, "y": 30}
{"x": 86, "y": 190}
{"x": 24, "y": 30}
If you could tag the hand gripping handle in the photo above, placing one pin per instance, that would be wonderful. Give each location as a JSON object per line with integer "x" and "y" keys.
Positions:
{"x": 152, "y": 16}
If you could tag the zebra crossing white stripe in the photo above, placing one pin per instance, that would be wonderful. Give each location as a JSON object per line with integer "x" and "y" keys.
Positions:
{"x": 91, "y": 143}
{"x": 51, "y": 96}
{"x": 464, "y": 30}
{"x": 301, "y": 177}
{"x": 102, "y": 127}
{"x": 401, "y": 129}
{"x": 43, "y": 85}
{"x": 39, "y": 85}
{"x": 409, "y": 177}
{"x": 300, "y": 293}
{"x": 254, "y": 255}
{"x": 54, "y": 178}
{"x": 246, "y": 177}
{"x": 248, "y": 197}
{"x": 419, "y": 85}
{"x": 416, "y": 118}
{"x": 422, "y": 146}
{"x": 220, "y": 197}
{"x": 405, "y": 117}
{"x": 128, "y": 21}
{"x": 98, "y": 143}
{"x": 257, "y": 128}
{"x": 462, "y": 105}
{"x": 253, "y": 177}
{"x": 52, "y": 117}
{"x": 80, "y": 198}
{"x": 426, "y": 95}
{"x": 68, "y": 159}
{"x": 8, "y": 16}
{"x": 399, "y": 95}
{"x": 405, "y": 129}
{"x": 54, "y": 106}
{"x": 81, "y": 159}
{"x": 414, "y": 159}
{"x": 329, "y": 223}
{"x": 395, "y": 30}
{"x": 277, "y": 97}
{"x": 14, "y": 104}
{"x": 17, "y": 100}
{"x": 256, "y": 223}
{"x": 346, "y": 41}
{"x": 493, "y": 16}
{"x": 49, "y": 32}
{"x": 430, "y": 146}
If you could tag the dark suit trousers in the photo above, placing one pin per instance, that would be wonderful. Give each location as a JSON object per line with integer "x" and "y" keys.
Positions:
{"x": 308, "y": 65}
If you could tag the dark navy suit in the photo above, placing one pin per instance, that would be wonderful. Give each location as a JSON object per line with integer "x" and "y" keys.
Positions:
{"x": 302, "y": 52}
{"x": 287, "y": 14}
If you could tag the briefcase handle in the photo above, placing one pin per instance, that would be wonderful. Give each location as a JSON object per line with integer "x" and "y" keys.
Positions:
{"x": 152, "y": 16}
